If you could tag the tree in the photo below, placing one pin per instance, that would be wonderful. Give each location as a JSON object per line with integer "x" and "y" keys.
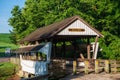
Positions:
{"x": 104, "y": 15}
{"x": 17, "y": 21}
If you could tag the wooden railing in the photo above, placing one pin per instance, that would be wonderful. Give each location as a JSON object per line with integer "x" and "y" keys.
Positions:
{"x": 97, "y": 66}
{"x": 15, "y": 60}
{"x": 108, "y": 66}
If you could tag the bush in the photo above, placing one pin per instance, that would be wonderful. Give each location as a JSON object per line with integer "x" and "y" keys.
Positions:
{"x": 6, "y": 70}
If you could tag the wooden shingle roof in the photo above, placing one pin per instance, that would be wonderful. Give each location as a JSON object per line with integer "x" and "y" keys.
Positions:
{"x": 53, "y": 29}
{"x": 35, "y": 48}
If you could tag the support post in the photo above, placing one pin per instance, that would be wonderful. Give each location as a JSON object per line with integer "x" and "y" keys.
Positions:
{"x": 106, "y": 66}
{"x": 55, "y": 50}
{"x": 52, "y": 55}
{"x": 74, "y": 67}
{"x": 96, "y": 67}
{"x": 36, "y": 55}
{"x": 96, "y": 40}
{"x": 88, "y": 48}
{"x": 64, "y": 55}
{"x": 86, "y": 66}
{"x": 114, "y": 66}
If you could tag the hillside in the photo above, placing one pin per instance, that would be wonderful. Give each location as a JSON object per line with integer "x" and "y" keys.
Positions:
{"x": 5, "y": 42}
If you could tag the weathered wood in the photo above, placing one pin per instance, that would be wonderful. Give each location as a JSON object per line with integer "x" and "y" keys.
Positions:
{"x": 96, "y": 66}
{"x": 118, "y": 65}
{"x": 88, "y": 51}
{"x": 15, "y": 60}
{"x": 113, "y": 66}
{"x": 96, "y": 40}
{"x": 86, "y": 66}
{"x": 36, "y": 42}
{"x": 81, "y": 55}
{"x": 74, "y": 67}
{"x": 106, "y": 66}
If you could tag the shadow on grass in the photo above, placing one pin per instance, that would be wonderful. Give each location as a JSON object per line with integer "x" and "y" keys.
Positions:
{"x": 2, "y": 47}
{"x": 1, "y": 64}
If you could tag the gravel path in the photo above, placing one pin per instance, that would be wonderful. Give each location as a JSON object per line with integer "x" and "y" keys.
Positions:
{"x": 92, "y": 76}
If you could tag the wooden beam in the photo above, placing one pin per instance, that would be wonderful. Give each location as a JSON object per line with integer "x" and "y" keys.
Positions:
{"x": 96, "y": 40}
{"x": 81, "y": 55}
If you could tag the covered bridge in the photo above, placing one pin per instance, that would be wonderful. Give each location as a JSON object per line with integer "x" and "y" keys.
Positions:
{"x": 72, "y": 31}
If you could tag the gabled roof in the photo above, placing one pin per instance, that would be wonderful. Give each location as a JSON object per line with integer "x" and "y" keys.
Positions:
{"x": 53, "y": 29}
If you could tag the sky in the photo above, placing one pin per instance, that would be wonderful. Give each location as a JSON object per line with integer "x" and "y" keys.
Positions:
{"x": 5, "y": 13}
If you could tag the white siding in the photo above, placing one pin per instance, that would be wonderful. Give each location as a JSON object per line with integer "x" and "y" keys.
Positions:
{"x": 77, "y": 24}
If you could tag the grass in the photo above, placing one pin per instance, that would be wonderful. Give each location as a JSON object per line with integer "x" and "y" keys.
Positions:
{"x": 5, "y": 42}
{"x": 4, "y": 37}
{"x": 6, "y": 70}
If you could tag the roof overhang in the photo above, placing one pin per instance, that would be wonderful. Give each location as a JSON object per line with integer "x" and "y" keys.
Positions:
{"x": 27, "y": 49}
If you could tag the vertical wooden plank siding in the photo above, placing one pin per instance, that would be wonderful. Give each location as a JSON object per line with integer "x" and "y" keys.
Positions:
{"x": 78, "y": 25}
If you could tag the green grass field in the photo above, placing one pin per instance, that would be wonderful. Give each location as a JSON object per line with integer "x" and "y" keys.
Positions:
{"x": 5, "y": 42}
{"x": 6, "y": 70}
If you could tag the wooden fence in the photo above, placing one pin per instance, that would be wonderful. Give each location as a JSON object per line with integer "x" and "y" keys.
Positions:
{"x": 96, "y": 66}
{"x": 108, "y": 66}
{"x": 15, "y": 60}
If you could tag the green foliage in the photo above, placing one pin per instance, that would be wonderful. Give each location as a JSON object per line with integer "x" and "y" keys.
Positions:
{"x": 104, "y": 15}
{"x": 115, "y": 49}
{"x": 110, "y": 46}
{"x": 6, "y": 70}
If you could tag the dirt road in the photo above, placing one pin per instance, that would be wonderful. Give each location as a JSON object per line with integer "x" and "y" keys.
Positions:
{"x": 4, "y": 59}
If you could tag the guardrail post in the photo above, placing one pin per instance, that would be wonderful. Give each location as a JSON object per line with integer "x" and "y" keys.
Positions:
{"x": 74, "y": 67}
{"x": 115, "y": 66}
{"x": 86, "y": 66}
{"x": 96, "y": 66}
{"x": 106, "y": 66}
